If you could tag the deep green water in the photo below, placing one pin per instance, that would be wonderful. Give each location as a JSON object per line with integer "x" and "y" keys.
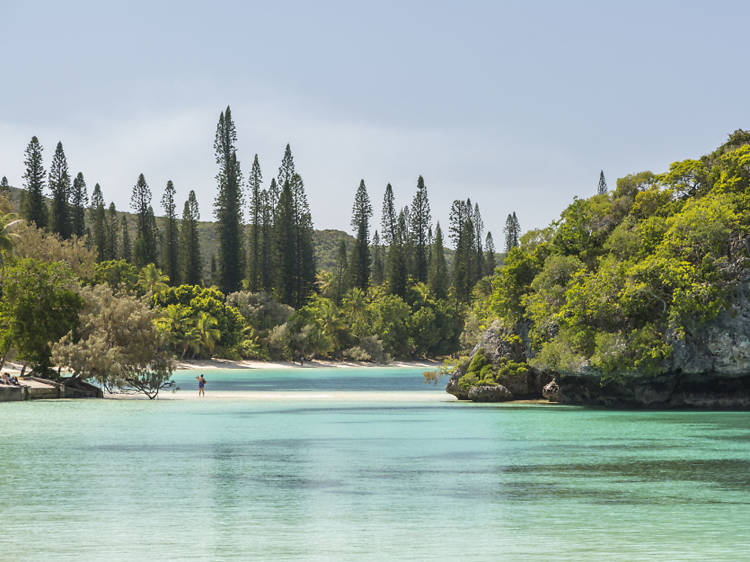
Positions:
{"x": 251, "y": 479}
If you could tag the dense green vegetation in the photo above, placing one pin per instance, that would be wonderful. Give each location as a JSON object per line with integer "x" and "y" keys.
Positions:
{"x": 624, "y": 275}
{"x": 612, "y": 285}
{"x": 88, "y": 279}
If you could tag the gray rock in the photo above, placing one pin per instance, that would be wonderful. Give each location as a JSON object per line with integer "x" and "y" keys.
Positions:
{"x": 721, "y": 346}
{"x": 500, "y": 342}
{"x": 453, "y": 388}
{"x": 489, "y": 393}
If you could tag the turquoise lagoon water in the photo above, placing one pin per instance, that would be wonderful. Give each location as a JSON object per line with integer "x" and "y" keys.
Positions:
{"x": 350, "y": 479}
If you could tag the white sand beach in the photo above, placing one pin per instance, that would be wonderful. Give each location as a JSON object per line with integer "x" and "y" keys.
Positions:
{"x": 318, "y": 363}
{"x": 297, "y": 396}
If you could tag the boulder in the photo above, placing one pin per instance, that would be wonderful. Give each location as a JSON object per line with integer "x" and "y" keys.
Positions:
{"x": 500, "y": 342}
{"x": 489, "y": 393}
{"x": 453, "y": 388}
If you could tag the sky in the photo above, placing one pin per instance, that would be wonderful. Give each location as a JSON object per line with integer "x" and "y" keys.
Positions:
{"x": 517, "y": 105}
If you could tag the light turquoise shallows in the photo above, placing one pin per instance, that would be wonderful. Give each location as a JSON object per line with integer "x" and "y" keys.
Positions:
{"x": 259, "y": 479}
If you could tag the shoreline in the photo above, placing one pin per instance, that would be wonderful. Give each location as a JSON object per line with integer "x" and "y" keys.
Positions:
{"x": 195, "y": 364}
{"x": 352, "y": 396}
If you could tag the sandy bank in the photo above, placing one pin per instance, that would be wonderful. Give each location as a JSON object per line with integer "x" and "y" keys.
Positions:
{"x": 301, "y": 396}
{"x": 252, "y": 364}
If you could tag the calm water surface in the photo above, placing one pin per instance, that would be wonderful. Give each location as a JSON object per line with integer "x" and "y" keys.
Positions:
{"x": 245, "y": 479}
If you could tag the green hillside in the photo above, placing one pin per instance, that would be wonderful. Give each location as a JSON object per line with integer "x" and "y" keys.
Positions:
{"x": 325, "y": 241}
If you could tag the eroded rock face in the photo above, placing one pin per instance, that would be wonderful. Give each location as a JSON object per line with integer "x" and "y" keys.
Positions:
{"x": 709, "y": 368}
{"x": 489, "y": 393}
{"x": 674, "y": 390}
{"x": 722, "y": 346}
{"x": 453, "y": 388}
{"x": 501, "y": 344}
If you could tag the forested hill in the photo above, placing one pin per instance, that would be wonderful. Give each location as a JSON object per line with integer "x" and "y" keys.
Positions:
{"x": 325, "y": 241}
{"x": 645, "y": 282}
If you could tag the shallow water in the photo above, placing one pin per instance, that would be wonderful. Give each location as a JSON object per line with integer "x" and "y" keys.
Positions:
{"x": 357, "y": 479}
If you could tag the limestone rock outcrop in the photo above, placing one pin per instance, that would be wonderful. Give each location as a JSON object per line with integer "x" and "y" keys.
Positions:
{"x": 708, "y": 368}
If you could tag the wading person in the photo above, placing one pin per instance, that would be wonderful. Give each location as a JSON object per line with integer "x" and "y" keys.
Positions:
{"x": 201, "y": 385}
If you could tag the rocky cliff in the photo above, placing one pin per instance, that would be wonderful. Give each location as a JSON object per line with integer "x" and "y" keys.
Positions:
{"x": 709, "y": 368}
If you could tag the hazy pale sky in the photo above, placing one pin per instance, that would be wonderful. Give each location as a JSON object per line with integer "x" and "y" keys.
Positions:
{"x": 515, "y": 104}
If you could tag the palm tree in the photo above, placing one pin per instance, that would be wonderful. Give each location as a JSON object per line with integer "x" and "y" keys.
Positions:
{"x": 354, "y": 306}
{"x": 8, "y": 238}
{"x": 325, "y": 283}
{"x": 206, "y": 332}
{"x": 151, "y": 280}
{"x": 177, "y": 325}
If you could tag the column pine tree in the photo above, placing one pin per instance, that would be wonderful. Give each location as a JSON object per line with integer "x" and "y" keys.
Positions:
{"x": 98, "y": 221}
{"x": 360, "y": 262}
{"x": 59, "y": 185}
{"x": 228, "y": 205}
{"x": 171, "y": 234}
{"x": 78, "y": 200}
{"x": 420, "y": 218}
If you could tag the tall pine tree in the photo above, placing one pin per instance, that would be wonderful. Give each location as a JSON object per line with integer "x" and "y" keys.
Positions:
{"x": 398, "y": 269}
{"x": 255, "y": 261}
{"x": 267, "y": 275}
{"x": 59, "y": 185}
{"x": 4, "y": 187}
{"x": 490, "y": 261}
{"x": 360, "y": 262}
{"x": 228, "y": 205}
{"x": 438, "y": 277}
{"x": 127, "y": 250}
{"x": 340, "y": 273}
{"x": 78, "y": 200}
{"x": 144, "y": 251}
{"x": 602, "y": 187}
{"x": 305, "y": 256}
{"x": 190, "y": 252}
{"x": 465, "y": 261}
{"x": 512, "y": 232}
{"x": 113, "y": 246}
{"x": 171, "y": 257}
{"x": 420, "y": 219}
{"x": 378, "y": 263}
{"x": 99, "y": 222}
{"x": 285, "y": 247}
{"x": 34, "y": 207}
{"x": 389, "y": 218}
{"x": 476, "y": 218}
{"x": 286, "y": 170}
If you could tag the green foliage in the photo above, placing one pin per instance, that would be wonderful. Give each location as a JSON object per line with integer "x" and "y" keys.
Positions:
{"x": 59, "y": 185}
{"x": 228, "y": 204}
{"x": 624, "y": 275}
{"x": 419, "y": 224}
{"x": 171, "y": 243}
{"x": 40, "y": 303}
{"x": 99, "y": 219}
{"x": 78, "y": 202}
{"x": 360, "y": 260}
{"x": 117, "y": 344}
{"x": 190, "y": 265}
{"x": 118, "y": 274}
{"x": 481, "y": 371}
{"x": 34, "y": 207}
{"x": 199, "y": 320}
{"x": 144, "y": 249}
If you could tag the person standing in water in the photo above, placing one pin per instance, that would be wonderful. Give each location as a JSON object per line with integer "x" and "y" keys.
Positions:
{"x": 201, "y": 385}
